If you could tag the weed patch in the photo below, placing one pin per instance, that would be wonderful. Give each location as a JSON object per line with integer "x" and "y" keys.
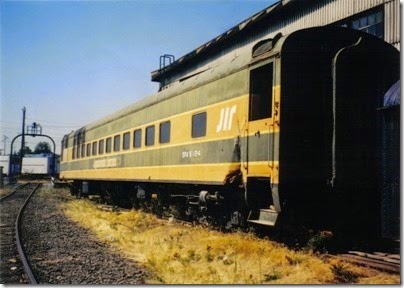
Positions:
{"x": 181, "y": 254}
{"x": 320, "y": 241}
{"x": 343, "y": 275}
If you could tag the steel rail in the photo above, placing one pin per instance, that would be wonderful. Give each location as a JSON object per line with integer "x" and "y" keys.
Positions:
{"x": 20, "y": 247}
{"x": 12, "y": 192}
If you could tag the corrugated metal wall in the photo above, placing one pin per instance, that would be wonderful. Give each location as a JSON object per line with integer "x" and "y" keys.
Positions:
{"x": 392, "y": 23}
{"x": 330, "y": 11}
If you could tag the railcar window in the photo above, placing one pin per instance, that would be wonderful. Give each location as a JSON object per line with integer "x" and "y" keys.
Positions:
{"x": 101, "y": 147}
{"x": 108, "y": 145}
{"x": 137, "y": 138}
{"x": 74, "y": 153}
{"x": 117, "y": 143}
{"x": 94, "y": 148}
{"x": 150, "y": 135}
{"x": 199, "y": 125}
{"x": 88, "y": 152}
{"x": 165, "y": 131}
{"x": 78, "y": 150}
{"x": 83, "y": 150}
{"x": 126, "y": 141}
{"x": 261, "y": 92}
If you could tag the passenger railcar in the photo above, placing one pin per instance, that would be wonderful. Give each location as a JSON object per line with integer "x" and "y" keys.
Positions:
{"x": 289, "y": 129}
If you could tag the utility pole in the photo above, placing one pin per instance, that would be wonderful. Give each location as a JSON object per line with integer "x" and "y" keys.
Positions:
{"x": 23, "y": 132}
{"x": 23, "y": 137}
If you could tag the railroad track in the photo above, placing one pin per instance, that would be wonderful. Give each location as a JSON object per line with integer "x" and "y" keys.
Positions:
{"x": 14, "y": 266}
{"x": 13, "y": 188}
{"x": 388, "y": 262}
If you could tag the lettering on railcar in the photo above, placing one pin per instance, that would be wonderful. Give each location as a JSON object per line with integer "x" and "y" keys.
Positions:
{"x": 226, "y": 118}
{"x": 106, "y": 163}
{"x": 191, "y": 154}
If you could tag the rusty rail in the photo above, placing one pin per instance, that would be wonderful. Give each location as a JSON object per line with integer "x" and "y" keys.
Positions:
{"x": 15, "y": 189}
{"x": 20, "y": 247}
{"x": 378, "y": 260}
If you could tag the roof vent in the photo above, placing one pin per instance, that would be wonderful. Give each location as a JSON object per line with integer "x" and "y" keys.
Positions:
{"x": 265, "y": 45}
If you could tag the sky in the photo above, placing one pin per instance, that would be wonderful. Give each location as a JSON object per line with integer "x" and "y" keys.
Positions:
{"x": 71, "y": 63}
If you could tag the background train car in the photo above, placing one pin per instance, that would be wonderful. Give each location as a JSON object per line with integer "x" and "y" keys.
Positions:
{"x": 289, "y": 128}
{"x": 41, "y": 164}
{"x": 35, "y": 165}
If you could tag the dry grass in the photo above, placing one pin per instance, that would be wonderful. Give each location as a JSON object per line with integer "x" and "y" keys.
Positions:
{"x": 4, "y": 191}
{"x": 180, "y": 254}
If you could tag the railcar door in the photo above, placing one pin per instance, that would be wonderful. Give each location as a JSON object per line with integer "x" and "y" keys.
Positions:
{"x": 262, "y": 136}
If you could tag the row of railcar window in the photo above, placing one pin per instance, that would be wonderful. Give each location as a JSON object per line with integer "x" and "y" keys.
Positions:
{"x": 260, "y": 107}
{"x": 115, "y": 144}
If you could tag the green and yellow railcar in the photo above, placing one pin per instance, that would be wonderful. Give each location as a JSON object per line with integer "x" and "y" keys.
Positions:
{"x": 283, "y": 128}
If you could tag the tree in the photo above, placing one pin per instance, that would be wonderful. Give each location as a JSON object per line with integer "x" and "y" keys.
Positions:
{"x": 42, "y": 147}
{"x": 27, "y": 151}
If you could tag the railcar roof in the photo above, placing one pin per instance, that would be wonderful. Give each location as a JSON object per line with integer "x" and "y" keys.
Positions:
{"x": 181, "y": 86}
{"x": 186, "y": 84}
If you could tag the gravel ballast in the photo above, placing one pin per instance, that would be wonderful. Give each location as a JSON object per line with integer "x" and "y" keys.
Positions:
{"x": 61, "y": 252}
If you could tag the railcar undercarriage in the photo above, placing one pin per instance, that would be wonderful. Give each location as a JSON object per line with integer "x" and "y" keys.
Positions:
{"x": 220, "y": 206}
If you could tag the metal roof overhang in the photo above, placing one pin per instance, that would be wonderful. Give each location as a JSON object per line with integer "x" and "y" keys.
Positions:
{"x": 158, "y": 75}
